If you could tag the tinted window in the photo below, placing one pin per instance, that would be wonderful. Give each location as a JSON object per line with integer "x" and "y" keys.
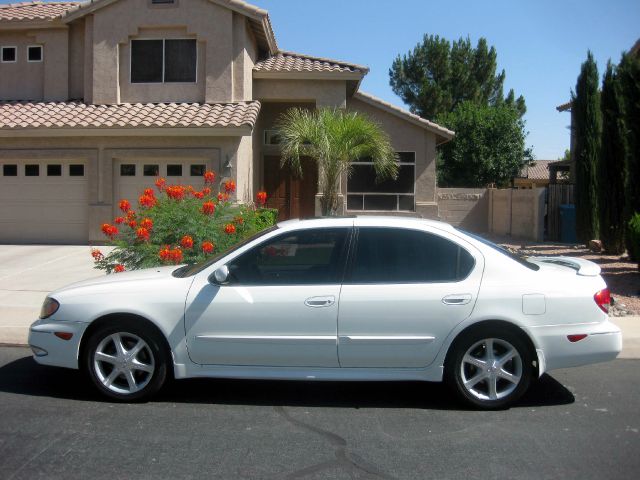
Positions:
{"x": 174, "y": 170}
{"x": 8, "y": 54}
{"x": 54, "y": 170}
{"x": 34, "y": 54}
{"x": 296, "y": 258}
{"x": 151, "y": 170}
{"x": 31, "y": 170}
{"x": 76, "y": 170}
{"x": 386, "y": 255}
{"x": 128, "y": 170}
{"x": 10, "y": 170}
{"x": 197, "y": 170}
{"x": 180, "y": 61}
{"x": 146, "y": 61}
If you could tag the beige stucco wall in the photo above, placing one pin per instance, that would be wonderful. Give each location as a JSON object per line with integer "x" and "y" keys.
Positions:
{"x": 465, "y": 207}
{"x": 21, "y": 80}
{"x": 99, "y": 153}
{"x": 519, "y": 213}
{"x": 324, "y": 93}
{"x": 76, "y": 59}
{"x": 407, "y": 137}
{"x": 115, "y": 25}
{"x": 244, "y": 58}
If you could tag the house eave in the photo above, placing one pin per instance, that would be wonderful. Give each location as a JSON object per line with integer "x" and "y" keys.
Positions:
{"x": 244, "y": 131}
{"x": 305, "y": 75}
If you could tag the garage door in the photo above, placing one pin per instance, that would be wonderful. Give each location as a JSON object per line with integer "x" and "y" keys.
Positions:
{"x": 44, "y": 202}
{"x": 132, "y": 177}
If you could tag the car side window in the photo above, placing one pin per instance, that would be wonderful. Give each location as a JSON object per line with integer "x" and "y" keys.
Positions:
{"x": 390, "y": 255}
{"x": 305, "y": 257}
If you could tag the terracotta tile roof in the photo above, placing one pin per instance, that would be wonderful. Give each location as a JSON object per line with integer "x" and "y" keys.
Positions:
{"x": 22, "y": 115}
{"x": 37, "y": 10}
{"x": 538, "y": 171}
{"x": 297, "y": 62}
{"x": 564, "y": 107}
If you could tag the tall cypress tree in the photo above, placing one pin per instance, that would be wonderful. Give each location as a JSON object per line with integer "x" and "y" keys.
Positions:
{"x": 629, "y": 74}
{"x": 588, "y": 130}
{"x": 612, "y": 169}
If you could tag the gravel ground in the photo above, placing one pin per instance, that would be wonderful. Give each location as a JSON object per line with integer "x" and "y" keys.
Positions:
{"x": 621, "y": 275}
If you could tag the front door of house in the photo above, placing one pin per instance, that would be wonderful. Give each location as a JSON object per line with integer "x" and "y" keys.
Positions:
{"x": 293, "y": 196}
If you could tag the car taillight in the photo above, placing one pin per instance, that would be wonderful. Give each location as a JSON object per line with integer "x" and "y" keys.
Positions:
{"x": 603, "y": 299}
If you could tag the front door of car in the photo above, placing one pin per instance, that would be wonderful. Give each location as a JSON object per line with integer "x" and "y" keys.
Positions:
{"x": 405, "y": 292}
{"x": 279, "y": 306}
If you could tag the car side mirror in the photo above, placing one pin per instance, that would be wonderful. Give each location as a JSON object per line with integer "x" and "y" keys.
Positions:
{"x": 220, "y": 276}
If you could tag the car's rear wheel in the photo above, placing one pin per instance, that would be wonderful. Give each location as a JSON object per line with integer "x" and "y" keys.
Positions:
{"x": 126, "y": 362}
{"x": 490, "y": 369}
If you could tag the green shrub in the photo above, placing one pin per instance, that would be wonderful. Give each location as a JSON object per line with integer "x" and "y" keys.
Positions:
{"x": 178, "y": 224}
{"x": 633, "y": 234}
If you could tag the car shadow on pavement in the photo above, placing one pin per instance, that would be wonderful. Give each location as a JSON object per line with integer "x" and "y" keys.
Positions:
{"x": 25, "y": 377}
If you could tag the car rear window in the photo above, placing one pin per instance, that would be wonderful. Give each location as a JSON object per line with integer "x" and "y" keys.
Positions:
{"x": 522, "y": 260}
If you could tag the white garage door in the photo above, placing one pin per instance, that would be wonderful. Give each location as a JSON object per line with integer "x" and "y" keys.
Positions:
{"x": 44, "y": 202}
{"x": 130, "y": 178}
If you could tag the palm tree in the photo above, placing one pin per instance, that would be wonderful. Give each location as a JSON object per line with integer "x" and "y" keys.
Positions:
{"x": 334, "y": 138}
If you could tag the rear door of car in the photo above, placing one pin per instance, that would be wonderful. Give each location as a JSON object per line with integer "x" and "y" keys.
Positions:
{"x": 405, "y": 290}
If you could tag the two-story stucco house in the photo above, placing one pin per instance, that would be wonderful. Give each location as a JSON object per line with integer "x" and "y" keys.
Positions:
{"x": 97, "y": 98}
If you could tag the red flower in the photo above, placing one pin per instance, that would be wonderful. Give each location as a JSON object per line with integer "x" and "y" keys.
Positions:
{"x": 208, "y": 208}
{"x": 206, "y": 191}
{"x": 133, "y": 224}
{"x": 261, "y": 198}
{"x": 223, "y": 197}
{"x": 143, "y": 234}
{"x": 187, "y": 241}
{"x": 176, "y": 255}
{"x": 124, "y": 205}
{"x": 209, "y": 177}
{"x": 160, "y": 183}
{"x": 109, "y": 230}
{"x": 147, "y": 201}
{"x": 147, "y": 223}
{"x": 119, "y": 220}
{"x": 96, "y": 254}
{"x": 175, "y": 192}
{"x": 207, "y": 247}
{"x": 164, "y": 253}
{"x": 131, "y": 214}
{"x": 149, "y": 192}
{"x": 238, "y": 220}
{"x": 229, "y": 186}
{"x": 119, "y": 268}
{"x": 230, "y": 228}
{"x": 199, "y": 195}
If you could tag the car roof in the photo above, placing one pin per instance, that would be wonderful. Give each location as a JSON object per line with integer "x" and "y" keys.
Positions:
{"x": 363, "y": 220}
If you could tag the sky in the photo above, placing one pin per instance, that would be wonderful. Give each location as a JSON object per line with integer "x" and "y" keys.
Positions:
{"x": 540, "y": 44}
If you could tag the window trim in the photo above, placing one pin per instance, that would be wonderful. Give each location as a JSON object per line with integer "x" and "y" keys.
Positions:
{"x": 41, "y": 53}
{"x": 7, "y": 47}
{"x": 397, "y": 195}
{"x": 163, "y": 61}
{"x": 353, "y": 250}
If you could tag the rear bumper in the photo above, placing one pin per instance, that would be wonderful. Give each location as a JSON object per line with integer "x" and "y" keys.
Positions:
{"x": 603, "y": 342}
{"x": 48, "y": 349}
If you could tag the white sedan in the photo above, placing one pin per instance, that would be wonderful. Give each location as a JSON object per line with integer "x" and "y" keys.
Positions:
{"x": 362, "y": 298}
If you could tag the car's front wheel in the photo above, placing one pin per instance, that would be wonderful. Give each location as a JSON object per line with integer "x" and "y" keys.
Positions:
{"x": 126, "y": 362}
{"x": 490, "y": 369}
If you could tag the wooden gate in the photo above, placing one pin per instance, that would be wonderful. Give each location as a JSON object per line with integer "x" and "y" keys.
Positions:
{"x": 557, "y": 194}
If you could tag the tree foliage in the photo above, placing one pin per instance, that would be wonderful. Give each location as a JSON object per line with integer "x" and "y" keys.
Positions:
{"x": 489, "y": 146}
{"x": 612, "y": 169}
{"x": 438, "y": 75}
{"x": 334, "y": 138}
{"x": 587, "y": 123}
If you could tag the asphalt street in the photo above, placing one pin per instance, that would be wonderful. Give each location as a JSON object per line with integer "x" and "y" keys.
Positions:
{"x": 576, "y": 423}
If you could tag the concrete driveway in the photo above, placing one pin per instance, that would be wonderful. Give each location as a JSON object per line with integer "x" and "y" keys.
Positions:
{"x": 28, "y": 273}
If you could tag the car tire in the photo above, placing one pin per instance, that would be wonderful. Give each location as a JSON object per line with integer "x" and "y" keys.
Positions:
{"x": 126, "y": 362}
{"x": 489, "y": 367}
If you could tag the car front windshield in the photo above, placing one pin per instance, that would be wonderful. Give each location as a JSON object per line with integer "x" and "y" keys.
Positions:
{"x": 189, "y": 270}
{"x": 521, "y": 259}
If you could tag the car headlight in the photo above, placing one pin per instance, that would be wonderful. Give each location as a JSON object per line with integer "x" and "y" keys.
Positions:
{"x": 49, "y": 307}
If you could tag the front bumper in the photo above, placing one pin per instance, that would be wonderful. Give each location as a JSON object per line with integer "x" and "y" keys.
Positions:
{"x": 603, "y": 342}
{"x": 49, "y": 349}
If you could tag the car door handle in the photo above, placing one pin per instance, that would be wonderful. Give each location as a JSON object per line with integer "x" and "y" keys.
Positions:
{"x": 457, "y": 299}
{"x": 317, "y": 302}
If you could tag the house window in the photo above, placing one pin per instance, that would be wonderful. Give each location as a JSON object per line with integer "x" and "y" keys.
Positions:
{"x": 163, "y": 61}
{"x": 9, "y": 54}
{"x": 31, "y": 170}
{"x": 162, "y": 2}
{"x": 174, "y": 170}
{"x": 10, "y": 170}
{"x": 197, "y": 170}
{"x": 271, "y": 137}
{"x": 34, "y": 53}
{"x": 151, "y": 170}
{"x": 54, "y": 170}
{"x": 365, "y": 193}
{"x": 128, "y": 170}
{"x": 76, "y": 170}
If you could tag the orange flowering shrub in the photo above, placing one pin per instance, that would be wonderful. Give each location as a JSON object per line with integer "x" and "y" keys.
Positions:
{"x": 178, "y": 224}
